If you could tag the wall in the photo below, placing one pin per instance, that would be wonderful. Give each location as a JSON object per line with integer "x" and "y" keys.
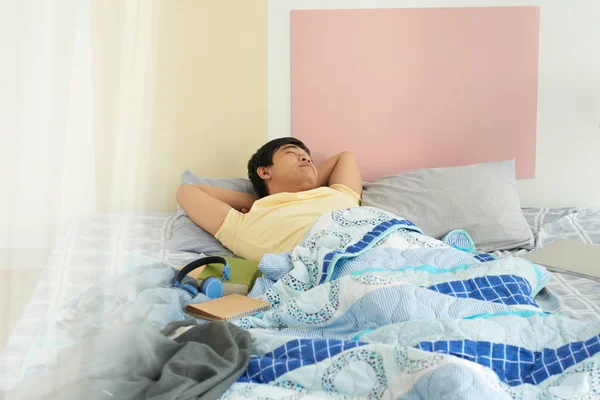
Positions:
{"x": 177, "y": 84}
{"x": 568, "y": 125}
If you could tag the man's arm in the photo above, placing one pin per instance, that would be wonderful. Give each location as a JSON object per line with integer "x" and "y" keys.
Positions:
{"x": 341, "y": 169}
{"x": 208, "y": 206}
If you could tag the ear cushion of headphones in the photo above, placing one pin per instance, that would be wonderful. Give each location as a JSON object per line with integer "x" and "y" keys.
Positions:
{"x": 212, "y": 287}
{"x": 191, "y": 287}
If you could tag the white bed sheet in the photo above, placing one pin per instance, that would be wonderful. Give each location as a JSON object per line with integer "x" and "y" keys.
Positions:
{"x": 90, "y": 249}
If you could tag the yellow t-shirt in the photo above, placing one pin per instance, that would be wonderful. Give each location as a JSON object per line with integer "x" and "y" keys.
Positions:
{"x": 277, "y": 223}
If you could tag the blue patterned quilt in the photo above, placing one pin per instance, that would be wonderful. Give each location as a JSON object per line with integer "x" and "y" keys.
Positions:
{"x": 368, "y": 307}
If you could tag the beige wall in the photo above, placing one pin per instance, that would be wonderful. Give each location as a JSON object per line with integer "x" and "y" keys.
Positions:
{"x": 178, "y": 84}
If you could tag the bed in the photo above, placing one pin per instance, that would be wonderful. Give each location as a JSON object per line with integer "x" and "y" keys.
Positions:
{"x": 567, "y": 294}
{"x": 97, "y": 254}
{"x": 98, "y": 247}
{"x": 91, "y": 249}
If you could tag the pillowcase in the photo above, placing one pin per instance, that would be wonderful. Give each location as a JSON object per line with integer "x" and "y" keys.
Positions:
{"x": 187, "y": 236}
{"x": 481, "y": 199}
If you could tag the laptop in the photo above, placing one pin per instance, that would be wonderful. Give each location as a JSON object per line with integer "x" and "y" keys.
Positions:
{"x": 569, "y": 256}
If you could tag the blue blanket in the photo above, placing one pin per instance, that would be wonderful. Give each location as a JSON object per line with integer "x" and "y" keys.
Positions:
{"x": 369, "y": 307}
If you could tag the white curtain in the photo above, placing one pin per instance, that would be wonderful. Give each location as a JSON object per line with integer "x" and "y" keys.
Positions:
{"x": 47, "y": 158}
{"x": 133, "y": 104}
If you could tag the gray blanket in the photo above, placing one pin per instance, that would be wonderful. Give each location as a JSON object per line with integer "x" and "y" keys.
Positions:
{"x": 140, "y": 362}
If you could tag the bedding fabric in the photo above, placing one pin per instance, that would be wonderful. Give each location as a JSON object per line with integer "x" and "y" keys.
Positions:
{"x": 551, "y": 224}
{"x": 446, "y": 324}
{"x": 136, "y": 361}
{"x": 189, "y": 237}
{"x": 566, "y": 294}
{"x": 481, "y": 199}
{"x": 92, "y": 250}
{"x": 374, "y": 309}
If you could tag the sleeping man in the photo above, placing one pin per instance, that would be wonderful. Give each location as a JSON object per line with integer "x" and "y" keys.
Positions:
{"x": 292, "y": 195}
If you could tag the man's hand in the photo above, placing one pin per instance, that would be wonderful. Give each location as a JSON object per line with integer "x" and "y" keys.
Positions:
{"x": 208, "y": 206}
{"x": 340, "y": 169}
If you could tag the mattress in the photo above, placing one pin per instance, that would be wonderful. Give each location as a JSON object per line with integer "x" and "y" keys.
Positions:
{"x": 98, "y": 247}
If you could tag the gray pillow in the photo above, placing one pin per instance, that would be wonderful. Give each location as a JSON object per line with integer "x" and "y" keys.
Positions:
{"x": 187, "y": 236}
{"x": 481, "y": 199}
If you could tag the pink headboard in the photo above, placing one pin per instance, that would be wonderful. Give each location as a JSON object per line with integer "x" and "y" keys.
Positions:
{"x": 415, "y": 88}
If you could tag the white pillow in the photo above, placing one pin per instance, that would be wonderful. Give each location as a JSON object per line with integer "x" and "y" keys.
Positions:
{"x": 187, "y": 236}
{"x": 481, "y": 199}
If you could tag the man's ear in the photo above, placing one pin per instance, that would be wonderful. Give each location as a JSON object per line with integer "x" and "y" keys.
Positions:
{"x": 264, "y": 173}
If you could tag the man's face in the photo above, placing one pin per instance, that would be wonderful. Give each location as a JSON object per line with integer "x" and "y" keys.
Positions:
{"x": 293, "y": 166}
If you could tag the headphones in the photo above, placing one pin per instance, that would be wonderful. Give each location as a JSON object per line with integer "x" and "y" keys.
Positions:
{"x": 212, "y": 287}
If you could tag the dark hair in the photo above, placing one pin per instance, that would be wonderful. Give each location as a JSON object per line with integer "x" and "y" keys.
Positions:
{"x": 264, "y": 158}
